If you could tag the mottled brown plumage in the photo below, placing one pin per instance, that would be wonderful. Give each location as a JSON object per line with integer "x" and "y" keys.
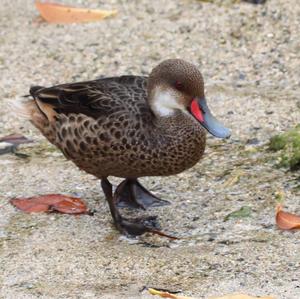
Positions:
{"x": 129, "y": 126}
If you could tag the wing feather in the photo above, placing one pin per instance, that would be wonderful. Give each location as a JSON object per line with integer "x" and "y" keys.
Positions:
{"x": 96, "y": 98}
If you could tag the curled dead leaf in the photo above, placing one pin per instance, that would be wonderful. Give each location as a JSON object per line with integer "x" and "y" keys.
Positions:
{"x": 15, "y": 139}
{"x": 167, "y": 294}
{"x": 286, "y": 220}
{"x": 173, "y": 296}
{"x": 58, "y": 13}
{"x": 70, "y": 206}
{"x": 49, "y": 203}
{"x": 10, "y": 143}
{"x": 233, "y": 179}
{"x": 162, "y": 234}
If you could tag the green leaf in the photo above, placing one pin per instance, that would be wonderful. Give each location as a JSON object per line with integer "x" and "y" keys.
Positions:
{"x": 243, "y": 212}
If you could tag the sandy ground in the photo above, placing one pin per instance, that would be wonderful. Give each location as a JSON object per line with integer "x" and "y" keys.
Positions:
{"x": 249, "y": 56}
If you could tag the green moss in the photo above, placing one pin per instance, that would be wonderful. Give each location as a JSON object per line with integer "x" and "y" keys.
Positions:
{"x": 277, "y": 143}
{"x": 288, "y": 144}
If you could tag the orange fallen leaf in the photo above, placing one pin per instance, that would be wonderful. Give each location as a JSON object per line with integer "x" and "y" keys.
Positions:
{"x": 286, "y": 220}
{"x": 173, "y": 296}
{"x": 167, "y": 294}
{"x": 162, "y": 234}
{"x": 58, "y": 13}
{"x": 50, "y": 202}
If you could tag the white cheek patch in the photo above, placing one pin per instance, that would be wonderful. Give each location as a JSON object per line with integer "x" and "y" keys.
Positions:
{"x": 165, "y": 103}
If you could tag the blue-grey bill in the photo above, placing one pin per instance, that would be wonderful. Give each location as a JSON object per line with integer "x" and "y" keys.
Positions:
{"x": 211, "y": 124}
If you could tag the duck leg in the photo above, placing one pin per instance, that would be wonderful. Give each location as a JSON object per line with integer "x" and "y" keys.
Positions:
{"x": 130, "y": 193}
{"x": 136, "y": 226}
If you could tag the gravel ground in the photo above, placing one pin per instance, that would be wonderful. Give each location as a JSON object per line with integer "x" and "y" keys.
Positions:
{"x": 249, "y": 56}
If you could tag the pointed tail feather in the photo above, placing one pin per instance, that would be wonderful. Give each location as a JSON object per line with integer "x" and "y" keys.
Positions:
{"x": 34, "y": 89}
{"x": 24, "y": 109}
{"x": 27, "y": 109}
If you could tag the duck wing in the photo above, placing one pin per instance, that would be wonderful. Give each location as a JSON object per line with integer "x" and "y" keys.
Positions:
{"x": 97, "y": 98}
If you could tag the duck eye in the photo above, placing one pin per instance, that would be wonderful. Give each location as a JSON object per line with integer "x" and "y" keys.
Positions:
{"x": 179, "y": 85}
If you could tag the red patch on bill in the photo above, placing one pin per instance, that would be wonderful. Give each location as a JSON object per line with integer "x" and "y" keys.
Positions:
{"x": 196, "y": 110}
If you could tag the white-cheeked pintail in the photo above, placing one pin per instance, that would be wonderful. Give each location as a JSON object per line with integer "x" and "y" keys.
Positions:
{"x": 129, "y": 127}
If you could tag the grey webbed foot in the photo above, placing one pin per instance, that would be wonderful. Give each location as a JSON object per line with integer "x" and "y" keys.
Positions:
{"x": 132, "y": 227}
{"x": 131, "y": 194}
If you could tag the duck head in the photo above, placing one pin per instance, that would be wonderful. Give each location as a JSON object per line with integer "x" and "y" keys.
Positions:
{"x": 176, "y": 84}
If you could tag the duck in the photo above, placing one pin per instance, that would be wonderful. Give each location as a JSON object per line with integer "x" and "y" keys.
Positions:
{"x": 129, "y": 127}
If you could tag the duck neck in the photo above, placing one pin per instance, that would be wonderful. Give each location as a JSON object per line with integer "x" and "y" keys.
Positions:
{"x": 177, "y": 120}
{"x": 170, "y": 115}
{"x": 180, "y": 136}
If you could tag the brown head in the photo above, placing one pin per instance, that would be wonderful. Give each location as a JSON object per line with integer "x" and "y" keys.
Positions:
{"x": 178, "y": 85}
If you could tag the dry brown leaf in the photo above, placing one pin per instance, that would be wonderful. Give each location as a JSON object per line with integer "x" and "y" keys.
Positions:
{"x": 173, "y": 296}
{"x": 15, "y": 139}
{"x": 167, "y": 294}
{"x": 162, "y": 234}
{"x": 49, "y": 203}
{"x": 58, "y": 13}
{"x": 233, "y": 179}
{"x": 285, "y": 220}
